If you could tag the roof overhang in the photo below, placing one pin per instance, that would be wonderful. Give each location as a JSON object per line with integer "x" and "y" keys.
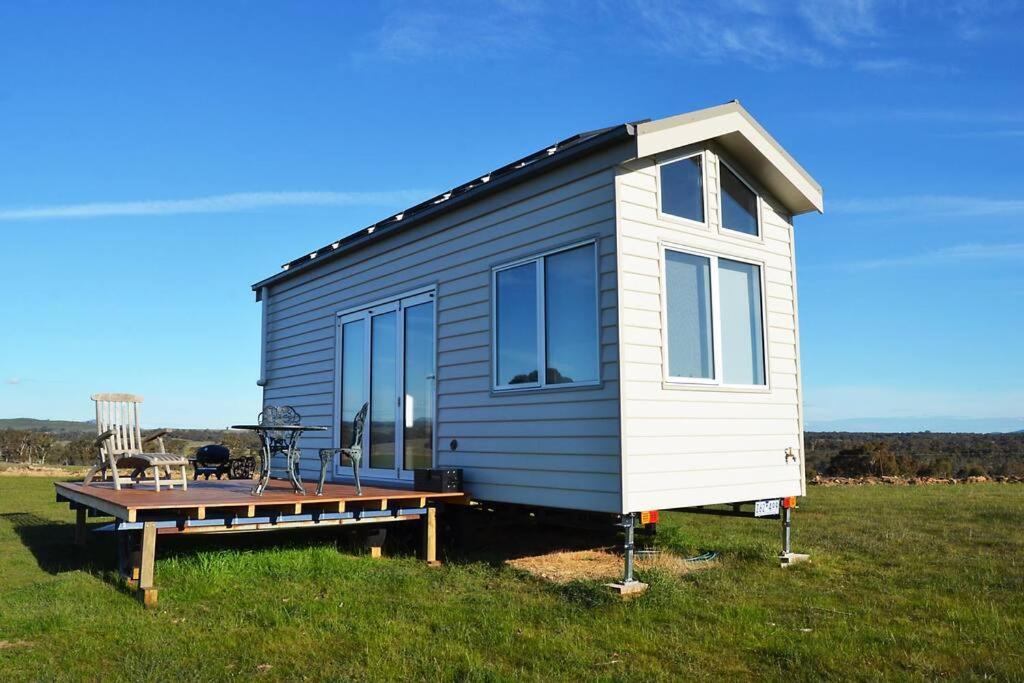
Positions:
{"x": 732, "y": 127}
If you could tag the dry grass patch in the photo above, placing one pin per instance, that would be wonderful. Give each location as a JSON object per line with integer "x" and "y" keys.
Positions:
{"x": 56, "y": 471}
{"x": 601, "y": 564}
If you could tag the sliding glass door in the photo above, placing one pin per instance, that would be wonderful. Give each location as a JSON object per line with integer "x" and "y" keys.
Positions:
{"x": 386, "y": 361}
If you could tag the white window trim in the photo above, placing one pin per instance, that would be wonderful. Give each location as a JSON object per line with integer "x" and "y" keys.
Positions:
{"x": 731, "y": 232}
{"x": 716, "y": 327}
{"x": 542, "y": 350}
{"x": 682, "y": 220}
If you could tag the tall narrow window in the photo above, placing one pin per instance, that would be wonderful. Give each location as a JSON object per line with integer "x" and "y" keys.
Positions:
{"x": 570, "y": 292}
{"x": 739, "y": 203}
{"x": 546, "y": 318}
{"x": 383, "y": 389}
{"x": 517, "y": 325}
{"x": 690, "y": 338}
{"x": 682, "y": 188}
{"x": 419, "y": 386}
{"x": 714, "y": 320}
{"x": 739, "y": 293}
{"x": 353, "y": 372}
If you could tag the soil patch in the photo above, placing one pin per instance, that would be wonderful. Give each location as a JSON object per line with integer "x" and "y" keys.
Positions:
{"x": 599, "y": 565}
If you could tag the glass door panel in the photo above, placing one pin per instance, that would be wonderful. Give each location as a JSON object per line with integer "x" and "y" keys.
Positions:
{"x": 353, "y": 378}
{"x": 383, "y": 390}
{"x": 418, "y": 374}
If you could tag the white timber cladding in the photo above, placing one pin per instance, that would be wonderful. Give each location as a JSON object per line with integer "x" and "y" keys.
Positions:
{"x": 691, "y": 444}
{"x": 552, "y": 447}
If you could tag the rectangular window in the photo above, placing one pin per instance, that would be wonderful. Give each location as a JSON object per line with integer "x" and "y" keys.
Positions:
{"x": 517, "y": 324}
{"x": 545, "y": 316}
{"x": 739, "y": 295}
{"x": 682, "y": 188}
{"x": 714, "y": 320}
{"x": 690, "y": 340}
{"x": 739, "y": 203}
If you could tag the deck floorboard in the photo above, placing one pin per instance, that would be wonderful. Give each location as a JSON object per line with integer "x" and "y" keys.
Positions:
{"x": 231, "y": 494}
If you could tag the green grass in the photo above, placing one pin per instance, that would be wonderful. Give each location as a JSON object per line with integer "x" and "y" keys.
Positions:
{"x": 905, "y": 583}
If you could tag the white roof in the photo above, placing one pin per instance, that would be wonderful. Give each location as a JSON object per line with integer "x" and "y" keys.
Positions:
{"x": 732, "y": 126}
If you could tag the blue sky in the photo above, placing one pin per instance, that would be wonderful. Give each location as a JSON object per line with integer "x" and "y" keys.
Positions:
{"x": 158, "y": 158}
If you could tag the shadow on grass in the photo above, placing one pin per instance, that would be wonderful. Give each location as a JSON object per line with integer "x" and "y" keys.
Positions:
{"x": 52, "y": 545}
{"x": 494, "y": 539}
{"x": 465, "y": 539}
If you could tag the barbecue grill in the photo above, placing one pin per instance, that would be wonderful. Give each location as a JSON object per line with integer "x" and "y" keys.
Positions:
{"x": 216, "y": 460}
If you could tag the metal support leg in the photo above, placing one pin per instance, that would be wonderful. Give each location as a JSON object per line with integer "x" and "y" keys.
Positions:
{"x": 787, "y": 529}
{"x": 257, "y": 490}
{"x": 628, "y": 522}
{"x": 356, "y": 457}
{"x": 326, "y": 456}
{"x": 787, "y": 556}
{"x": 629, "y": 586}
{"x": 293, "y": 456}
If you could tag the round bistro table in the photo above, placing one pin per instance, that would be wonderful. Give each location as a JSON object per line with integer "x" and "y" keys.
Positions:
{"x": 279, "y": 440}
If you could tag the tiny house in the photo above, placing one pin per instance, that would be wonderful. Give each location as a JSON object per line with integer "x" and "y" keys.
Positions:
{"x": 608, "y": 324}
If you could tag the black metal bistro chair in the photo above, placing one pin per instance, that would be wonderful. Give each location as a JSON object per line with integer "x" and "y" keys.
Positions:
{"x": 354, "y": 452}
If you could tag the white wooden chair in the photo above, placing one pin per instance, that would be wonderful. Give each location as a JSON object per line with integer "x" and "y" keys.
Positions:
{"x": 120, "y": 444}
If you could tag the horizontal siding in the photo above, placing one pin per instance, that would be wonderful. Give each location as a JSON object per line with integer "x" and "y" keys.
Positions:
{"x": 560, "y": 448}
{"x": 686, "y": 445}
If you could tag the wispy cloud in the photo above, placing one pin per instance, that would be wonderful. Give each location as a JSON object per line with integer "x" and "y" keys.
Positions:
{"x": 12, "y": 380}
{"x": 490, "y": 30}
{"x": 223, "y": 203}
{"x": 867, "y": 35}
{"x": 748, "y": 32}
{"x": 960, "y": 253}
{"x": 930, "y": 206}
{"x": 839, "y": 22}
{"x": 898, "y": 66}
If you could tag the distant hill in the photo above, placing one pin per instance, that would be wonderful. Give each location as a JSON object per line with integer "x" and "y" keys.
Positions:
{"x": 50, "y": 426}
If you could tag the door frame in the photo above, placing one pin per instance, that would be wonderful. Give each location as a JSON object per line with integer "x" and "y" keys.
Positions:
{"x": 398, "y": 303}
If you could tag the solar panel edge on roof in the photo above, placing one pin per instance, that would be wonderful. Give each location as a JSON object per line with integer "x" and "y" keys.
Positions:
{"x": 460, "y": 192}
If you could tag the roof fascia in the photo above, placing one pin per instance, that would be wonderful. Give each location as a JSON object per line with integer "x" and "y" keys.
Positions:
{"x": 741, "y": 135}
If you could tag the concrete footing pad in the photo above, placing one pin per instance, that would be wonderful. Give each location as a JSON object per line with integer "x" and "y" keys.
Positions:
{"x": 786, "y": 559}
{"x": 628, "y": 590}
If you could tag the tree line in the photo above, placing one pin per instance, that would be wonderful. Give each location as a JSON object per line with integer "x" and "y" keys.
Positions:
{"x": 927, "y": 454}
{"x": 32, "y": 447}
{"x": 828, "y": 453}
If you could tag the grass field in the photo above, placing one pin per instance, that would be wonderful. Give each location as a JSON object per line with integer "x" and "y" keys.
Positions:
{"x": 905, "y": 583}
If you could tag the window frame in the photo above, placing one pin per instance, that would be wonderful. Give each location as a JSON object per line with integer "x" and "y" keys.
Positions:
{"x": 671, "y": 217}
{"x": 541, "y": 384}
{"x": 717, "y": 381}
{"x": 732, "y": 232}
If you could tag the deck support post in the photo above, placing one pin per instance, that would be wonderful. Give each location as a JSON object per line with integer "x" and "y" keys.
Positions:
{"x": 430, "y": 537}
{"x": 787, "y": 556}
{"x": 375, "y": 542}
{"x": 136, "y": 555}
{"x": 81, "y": 531}
{"x": 629, "y": 586}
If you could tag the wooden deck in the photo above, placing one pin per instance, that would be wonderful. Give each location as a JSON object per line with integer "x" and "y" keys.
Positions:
{"x": 132, "y": 504}
{"x": 141, "y": 514}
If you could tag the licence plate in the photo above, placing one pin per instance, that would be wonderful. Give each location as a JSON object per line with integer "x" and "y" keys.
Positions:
{"x": 766, "y": 508}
